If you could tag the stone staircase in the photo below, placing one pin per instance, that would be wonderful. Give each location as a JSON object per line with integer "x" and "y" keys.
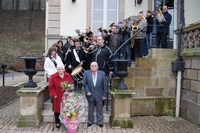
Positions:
{"x": 153, "y": 82}
{"x": 48, "y": 114}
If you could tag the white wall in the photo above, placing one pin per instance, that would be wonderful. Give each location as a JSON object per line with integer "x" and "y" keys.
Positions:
{"x": 131, "y": 9}
{"x": 192, "y": 8}
{"x": 72, "y": 17}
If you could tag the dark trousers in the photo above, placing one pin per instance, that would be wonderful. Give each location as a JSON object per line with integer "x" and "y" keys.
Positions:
{"x": 78, "y": 86}
{"x": 99, "y": 112}
{"x": 161, "y": 39}
{"x": 138, "y": 46}
{"x": 57, "y": 120}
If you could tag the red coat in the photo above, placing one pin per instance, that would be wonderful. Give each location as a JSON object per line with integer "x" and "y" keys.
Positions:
{"x": 56, "y": 90}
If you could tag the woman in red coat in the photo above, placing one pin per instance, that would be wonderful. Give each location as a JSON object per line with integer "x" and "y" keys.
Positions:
{"x": 56, "y": 91}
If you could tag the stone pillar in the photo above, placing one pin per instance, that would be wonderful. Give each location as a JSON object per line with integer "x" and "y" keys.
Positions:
{"x": 121, "y": 109}
{"x": 31, "y": 105}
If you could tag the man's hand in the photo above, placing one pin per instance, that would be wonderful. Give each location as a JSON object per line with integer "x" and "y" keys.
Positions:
{"x": 103, "y": 98}
{"x": 89, "y": 94}
{"x": 55, "y": 96}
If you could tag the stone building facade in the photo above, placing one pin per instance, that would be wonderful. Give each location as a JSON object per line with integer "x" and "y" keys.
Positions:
{"x": 190, "y": 94}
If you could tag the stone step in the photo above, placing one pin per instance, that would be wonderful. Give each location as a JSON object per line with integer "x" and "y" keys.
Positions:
{"x": 158, "y": 53}
{"x": 48, "y": 104}
{"x": 153, "y": 105}
{"x": 132, "y": 64}
{"x": 152, "y": 62}
{"x": 47, "y": 115}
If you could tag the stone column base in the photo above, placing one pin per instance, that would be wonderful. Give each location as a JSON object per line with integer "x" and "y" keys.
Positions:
{"x": 31, "y": 105}
{"x": 121, "y": 102}
{"x": 121, "y": 122}
{"x": 29, "y": 121}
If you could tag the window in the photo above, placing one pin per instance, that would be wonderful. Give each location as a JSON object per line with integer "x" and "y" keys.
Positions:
{"x": 104, "y": 12}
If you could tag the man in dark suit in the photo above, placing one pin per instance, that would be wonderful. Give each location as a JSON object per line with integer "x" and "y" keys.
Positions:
{"x": 94, "y": 82}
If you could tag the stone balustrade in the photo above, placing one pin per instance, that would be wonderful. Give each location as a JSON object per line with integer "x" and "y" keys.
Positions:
{"x": 191, "y": 36}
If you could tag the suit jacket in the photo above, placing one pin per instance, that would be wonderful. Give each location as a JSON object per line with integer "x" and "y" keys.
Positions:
{"x": 98, "y": 91}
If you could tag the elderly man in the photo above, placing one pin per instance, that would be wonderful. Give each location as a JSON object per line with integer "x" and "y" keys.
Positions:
{"x": 94, "y": 82}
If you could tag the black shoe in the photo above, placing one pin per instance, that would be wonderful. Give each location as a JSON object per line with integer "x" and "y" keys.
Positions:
{"x": 57, "y": 125}
{"x": 88, "y": 125}
{"x": 100, "y": 125}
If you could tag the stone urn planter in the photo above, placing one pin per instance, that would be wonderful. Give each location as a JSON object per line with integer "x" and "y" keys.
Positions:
{"x": 30, "y": 71}
{"x": 122, "y": 72}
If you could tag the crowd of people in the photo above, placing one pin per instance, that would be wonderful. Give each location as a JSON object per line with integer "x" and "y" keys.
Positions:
{"x": 93, "y": 54}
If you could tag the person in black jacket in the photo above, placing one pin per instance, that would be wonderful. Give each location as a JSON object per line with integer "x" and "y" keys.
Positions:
{"x": 102, "y": 55}
{"x": 125, "y": 33}
{"x": 106, "y": 37}
{"x": 163, "y": 28}
{"x": 149, "y": 19}
{"x": 115, "y": 42}
{"x": 69, "y": 49}
{"x": 76, "y": 57}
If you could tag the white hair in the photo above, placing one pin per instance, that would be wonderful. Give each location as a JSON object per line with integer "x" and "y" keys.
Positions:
{"x": 94, "y": 63}
{"x": 60, "y": 66}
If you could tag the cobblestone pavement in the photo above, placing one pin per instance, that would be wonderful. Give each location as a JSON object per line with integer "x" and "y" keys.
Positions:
{"x": 144, "y": 124}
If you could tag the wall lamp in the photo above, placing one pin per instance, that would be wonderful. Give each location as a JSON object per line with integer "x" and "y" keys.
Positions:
{"x": 138, "y": 2}
{"x": 73, "y": 0}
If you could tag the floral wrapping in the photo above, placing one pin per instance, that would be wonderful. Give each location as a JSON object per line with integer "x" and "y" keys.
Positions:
{"x": 72, "y": 110}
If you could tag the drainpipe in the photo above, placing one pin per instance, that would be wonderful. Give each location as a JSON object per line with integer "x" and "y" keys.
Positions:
{"x": 46, "y": 23}
{"x": 46, "y": 31}
{"x": 175, "y": 23}
{"x": 178, "y": 66}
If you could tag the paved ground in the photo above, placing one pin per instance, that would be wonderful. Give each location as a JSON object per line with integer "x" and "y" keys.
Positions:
{"x": 145, "y": 124}
{"x": 16, "y": 78}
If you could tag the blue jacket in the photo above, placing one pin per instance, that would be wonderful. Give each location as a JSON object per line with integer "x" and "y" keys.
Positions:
{"x": 98, "y": 91}
{"x": 164, "y": 28}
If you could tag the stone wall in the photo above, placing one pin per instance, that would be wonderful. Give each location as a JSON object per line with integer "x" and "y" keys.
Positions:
{"x": 154, "y": 84}
{"x": 190, "y": 93}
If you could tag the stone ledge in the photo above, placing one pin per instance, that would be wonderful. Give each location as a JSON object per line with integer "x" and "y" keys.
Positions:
{"x": 189, "y": 27}
{"x": 122, "y": 93}
{"x": 157, "y": 105}
{"x": 28, "y": 92}
{"x": 121, "y": 122}
{"x": 190, "y": 52}
{"x": 29, "y": 121}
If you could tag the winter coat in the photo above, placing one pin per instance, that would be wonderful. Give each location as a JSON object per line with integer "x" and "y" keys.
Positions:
{"x": 56, "y": 90}
{"x": 164, "y": 28}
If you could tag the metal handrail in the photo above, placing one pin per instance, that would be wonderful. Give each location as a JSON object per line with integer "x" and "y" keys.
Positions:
{"x": 129, "y": 39}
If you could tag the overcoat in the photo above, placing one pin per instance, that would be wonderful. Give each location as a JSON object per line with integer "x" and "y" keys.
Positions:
{"x": 56, "y": 90}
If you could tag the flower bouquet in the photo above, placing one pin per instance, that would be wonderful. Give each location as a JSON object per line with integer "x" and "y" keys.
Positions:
{"x": 72, "y": 110}
{"x": 65, "y": 85}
